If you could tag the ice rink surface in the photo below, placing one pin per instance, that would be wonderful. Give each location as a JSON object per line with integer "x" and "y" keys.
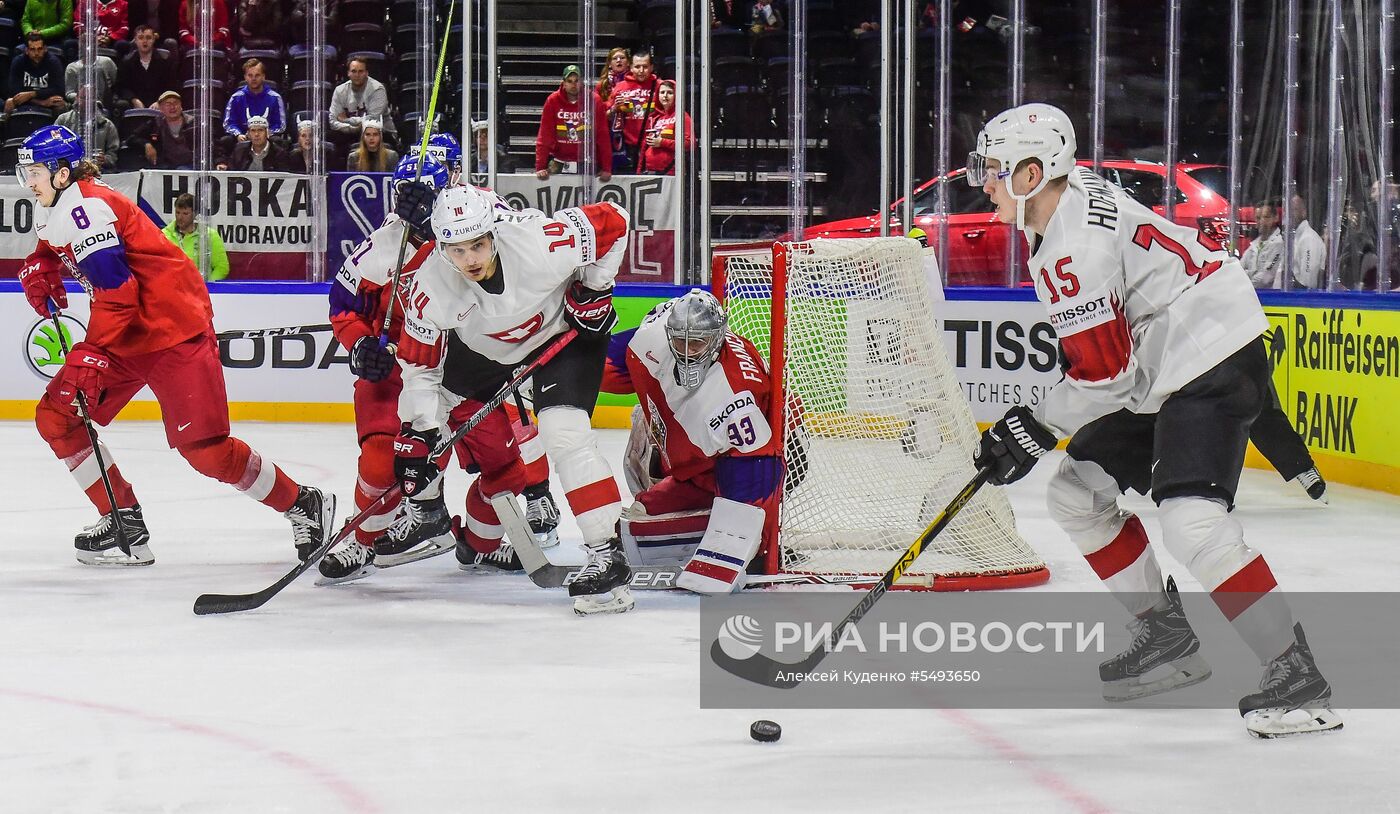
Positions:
{"x": 426, "y": 689}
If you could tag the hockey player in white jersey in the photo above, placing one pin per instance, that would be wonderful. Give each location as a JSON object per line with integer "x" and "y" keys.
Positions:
{"x": 495, "y": 292}
{"x": 703, "y": 461}
{"x": 1166, "y": 373}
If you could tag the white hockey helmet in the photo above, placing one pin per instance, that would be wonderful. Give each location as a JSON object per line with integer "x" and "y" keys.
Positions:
{"x": 1035, "y": 130}
{"x": 695, "y": 333}
{"x": 463, "y": 213}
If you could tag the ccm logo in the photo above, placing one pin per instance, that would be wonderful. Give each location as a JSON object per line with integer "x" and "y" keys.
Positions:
{"x": 1093, "y": 306}
{"x": 739, "y": 403}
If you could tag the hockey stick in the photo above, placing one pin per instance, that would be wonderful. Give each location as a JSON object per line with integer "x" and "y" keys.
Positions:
{"x": 259, "y": 333}
{"x": 233, "y": 603}
{"x": 418, "y": 173}
{"x": 92, "y": 438}
{"x": 769, "y": 672}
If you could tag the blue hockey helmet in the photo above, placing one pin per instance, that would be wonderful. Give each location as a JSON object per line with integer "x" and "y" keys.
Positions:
{"x": 48, "y": 146}
{"x": 432, "y": 172}
{"x": 446, "y": 149}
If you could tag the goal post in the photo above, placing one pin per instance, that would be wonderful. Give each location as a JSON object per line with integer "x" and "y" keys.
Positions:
{"x": 877, "y": 431}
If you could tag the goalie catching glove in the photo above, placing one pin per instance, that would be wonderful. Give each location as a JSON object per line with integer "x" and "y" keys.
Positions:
{"x": 1013, "y": 445}
{"x": 369, "y": 361}
{"x": 589, "y": 310}
{"x": 413, "y": 465}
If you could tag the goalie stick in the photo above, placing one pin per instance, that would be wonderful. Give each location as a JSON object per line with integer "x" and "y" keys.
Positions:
{"x": 207, "y": 604}
{"x": 769, "y": 672}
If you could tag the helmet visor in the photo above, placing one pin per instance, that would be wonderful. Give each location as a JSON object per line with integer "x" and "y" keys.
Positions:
{"x": 24, "y": 172}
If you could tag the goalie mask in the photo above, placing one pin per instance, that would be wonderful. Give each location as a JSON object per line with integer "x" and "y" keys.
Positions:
{"x": 1037, "y": 131}
{"x": 695, "y": 333}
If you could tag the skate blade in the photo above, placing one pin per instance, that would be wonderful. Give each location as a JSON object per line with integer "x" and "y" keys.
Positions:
{"x": 114, "y": 558}
{"x": 544, "y": 541}
{"x": 1270, "y": 724}
{"x": 619, "y": 600}
{"x": 432, "y": 548}
{"x": 364, "y": 571}
{"x": 1185, "y": 672}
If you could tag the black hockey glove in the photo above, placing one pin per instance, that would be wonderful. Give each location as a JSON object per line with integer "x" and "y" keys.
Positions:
{"x": 588, "y": 310}
{"x": 369, "y": 361}
{"x": 1013, "y": 445}
{"x": 414, "y": 205}
{"x": 413, "y": 459}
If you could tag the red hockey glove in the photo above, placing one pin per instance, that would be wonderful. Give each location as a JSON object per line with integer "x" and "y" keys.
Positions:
{"x": 42, "y": 278}
{"x": 413, "y": 464}
{"x": 589, "y": 310}
{"x": 81, "y": 373}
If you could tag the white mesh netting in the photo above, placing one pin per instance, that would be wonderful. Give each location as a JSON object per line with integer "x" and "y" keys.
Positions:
{"x": 879, "y": 434}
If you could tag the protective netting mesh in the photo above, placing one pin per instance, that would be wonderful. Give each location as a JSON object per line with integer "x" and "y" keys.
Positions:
{"x": 879, "y": 434}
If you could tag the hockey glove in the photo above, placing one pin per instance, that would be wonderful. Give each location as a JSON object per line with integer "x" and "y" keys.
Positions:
{"x": 42, "y": 278}
{"x": 413, "y": 465}
{"x": 81, "y": 373}
{"x": 369, "y": 361}
{"x": 415, "y": 206}
{"x": 588, "y": 310}
{"x": 1013, "y": 445}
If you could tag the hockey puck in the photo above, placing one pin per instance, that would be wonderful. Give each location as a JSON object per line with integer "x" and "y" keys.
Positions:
{"x": 765, "y": 731}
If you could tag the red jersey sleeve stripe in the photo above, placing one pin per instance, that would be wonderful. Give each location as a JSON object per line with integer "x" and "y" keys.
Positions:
{"x": 419, "y": 353}
{"x": 1101, "y": 352}
{"x": 608, "y": 223}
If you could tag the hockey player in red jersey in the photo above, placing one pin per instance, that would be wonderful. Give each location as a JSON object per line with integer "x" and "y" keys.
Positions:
{"x": 1167, "y": 372}
{"x": 151, "y": 325}
{"x": 359, "y": 299}
{"x": 703, "y": 461}
{"x": 495, "y": 292}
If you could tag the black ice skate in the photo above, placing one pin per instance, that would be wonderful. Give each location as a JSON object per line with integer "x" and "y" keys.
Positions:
{"x": 422, "y": 529}
{"x": 543, "y": 517}
{"x": 1312, "y": 481}
{"x": 311, "y": 518}
{"x": 1293, "y": 697}
{"x": 503, "y": 558}
{"x": 97, "y": 544}
{"x": 602, "y": 585}
{"x": 1162, "y": 657}
{"x": 351, "y": 561}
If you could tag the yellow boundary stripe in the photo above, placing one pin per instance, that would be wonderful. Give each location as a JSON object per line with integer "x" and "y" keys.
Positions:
{"x": 1365, "y": 474}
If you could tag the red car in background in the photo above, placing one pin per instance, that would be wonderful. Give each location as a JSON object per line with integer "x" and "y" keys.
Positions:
{"x": 978, "y": 244}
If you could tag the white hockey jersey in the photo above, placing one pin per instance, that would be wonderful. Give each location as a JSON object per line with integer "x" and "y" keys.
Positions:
{"x": 726, "y": 414}
{"x": 1141, "y": 305}
{"x": 538, "y": 258}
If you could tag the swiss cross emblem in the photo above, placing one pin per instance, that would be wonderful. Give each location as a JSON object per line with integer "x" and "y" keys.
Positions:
{"x": 1031, "y": 118}
{"x": 521, "y": 332}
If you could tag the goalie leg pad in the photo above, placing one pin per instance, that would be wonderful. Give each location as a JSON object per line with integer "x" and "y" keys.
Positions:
{"x": 664, "y": 540}
{"x": 592, "y": 494}
{"x": 731, "y": 539}
{"x": 639, "y": 461}
{"x": 1203, "y": 536}
{"x": 1083, "y": 500}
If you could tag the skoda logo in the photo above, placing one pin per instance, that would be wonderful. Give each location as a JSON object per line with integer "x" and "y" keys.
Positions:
{"x": 42, "y": 348}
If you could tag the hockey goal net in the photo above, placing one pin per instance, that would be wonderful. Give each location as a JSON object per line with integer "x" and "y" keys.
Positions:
{"x": 878, "y": 433}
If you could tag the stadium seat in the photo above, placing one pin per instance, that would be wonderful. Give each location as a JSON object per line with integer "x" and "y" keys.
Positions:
{"x": 300, "y": 67}
{"x": 299, "y": 98}
{"x": 729, "y": 42}
{"x": 777, "y": 73}
{"x": 407, "y": 67}
{"x": 657, "y": 17}
{"x": 361, "y": 11}
{"x": 189, "y": 93}
{"x": 218, "y": 65}
{"x": 25, "y": 120}
{"x": 771, "y": 44}
{"x": 362, "y": 37}
{"x": 834, "y": 71}
{"x": 9, "y": 154}
{"x": 744, "y": 112}
{"x": 403, "y": 12}
{"x": 406, "y": 39}
{"x": 733, "y": 70}
{"x": 135, "y": 122}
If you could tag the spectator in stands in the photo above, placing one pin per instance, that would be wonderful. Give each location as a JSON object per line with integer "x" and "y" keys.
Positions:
{"x": 1264, "y": 257}
{"x": 358, "y": 98}
{"x": 300, "y": 159}
{"x": 260, "y": 24}
{"x": 36, "y": 76}
{"x": 105, "y": 73}
{"x": 258, "y": 153}
{"x": 373, "y": 155}
{"x": 505, "y": 162}
{"x": 254, "y": 99}
{"x": 189, "y": 24}
{"x": 54, "y": 20}
{"x": 561, "y": 135}
{"x": 145, "y": 73}
{"x": 111, "y": 24}
{"x": 184, "y": 233}
{"x": 105, "y": 143}
{"x": 729, "y": 14}
{"x": 614, "y": 71}
{"x": 1309, "y": 253}
{"x": 659, "y": 157}
{"x": 170, "y": 142}
{"x": 633, "y": 103}
{"x": 765, "y": 17}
